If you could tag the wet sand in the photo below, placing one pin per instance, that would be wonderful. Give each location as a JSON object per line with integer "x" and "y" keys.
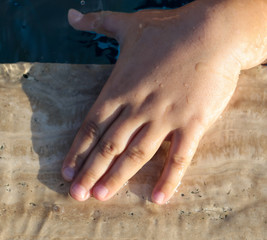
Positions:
{"x": 223, "y": 194}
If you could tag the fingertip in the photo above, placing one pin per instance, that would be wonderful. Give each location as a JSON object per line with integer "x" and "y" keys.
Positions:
{"x": 79, "y": 193}
{"x": 74, "y": 16}
{"x": 68, "y": 173}
{"x": 158, "y": 197}
{"x": 100, "y": 192}
{"x": 164, "y": 191}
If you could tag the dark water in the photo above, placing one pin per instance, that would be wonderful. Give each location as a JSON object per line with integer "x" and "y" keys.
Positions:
{"x": 38, "y": 31}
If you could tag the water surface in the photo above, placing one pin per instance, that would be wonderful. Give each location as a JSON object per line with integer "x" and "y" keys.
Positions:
{"x": 38, "y": 31}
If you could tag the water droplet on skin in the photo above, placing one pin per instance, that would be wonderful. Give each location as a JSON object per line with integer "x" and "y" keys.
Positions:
{"x": 167, "y": 202}
{"x": 176, "y": 189}
{"x": 125, "y": 183}
{"x": 186, "y": 85}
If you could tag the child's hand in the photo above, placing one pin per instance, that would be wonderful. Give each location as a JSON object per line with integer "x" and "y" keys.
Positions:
{"x": 175, "y": 75}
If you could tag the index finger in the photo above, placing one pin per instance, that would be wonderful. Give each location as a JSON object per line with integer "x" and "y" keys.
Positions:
{"x": 93, "y": 127}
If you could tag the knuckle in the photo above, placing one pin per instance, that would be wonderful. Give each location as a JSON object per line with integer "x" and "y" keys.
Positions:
{"x": 170, "y": 185}
{"x": 136, "y": 155}
{"x": 90, "y": 129}
{"x": 198, "y": 121}
{"x": 146, "y": 104}
{"x": 79, "y": 158}
{"x": 107, "y": 148}
{"x": 179, "y": 162}
{"x": 90, "y": 176}
{"x": 115, "y": 180}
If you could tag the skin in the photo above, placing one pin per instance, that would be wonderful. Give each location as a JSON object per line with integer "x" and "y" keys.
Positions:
{"x": 176, "y": 72}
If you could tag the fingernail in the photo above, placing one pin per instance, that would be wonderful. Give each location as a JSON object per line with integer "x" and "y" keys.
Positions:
{"x": 75, "y": 15}
{"x": 100, "y": 191}
{"x": 68, "y": 173}
{"x": 79, "y": 191}
{"x": 159, "y": 197}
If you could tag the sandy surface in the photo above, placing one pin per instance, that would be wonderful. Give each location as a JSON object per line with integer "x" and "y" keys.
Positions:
{"x": 223, "y": 195}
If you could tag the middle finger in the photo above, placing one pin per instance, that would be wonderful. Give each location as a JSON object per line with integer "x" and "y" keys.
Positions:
{"x": 138, "y": 152}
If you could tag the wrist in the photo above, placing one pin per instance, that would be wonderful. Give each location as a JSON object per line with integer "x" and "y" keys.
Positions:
{"x": 243, "y": 25}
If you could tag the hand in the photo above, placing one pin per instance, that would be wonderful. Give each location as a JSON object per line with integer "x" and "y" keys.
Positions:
{"x": 175, "y": 75}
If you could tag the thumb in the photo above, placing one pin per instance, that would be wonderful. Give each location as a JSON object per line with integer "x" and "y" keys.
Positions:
{"x": 112, "y": 24}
